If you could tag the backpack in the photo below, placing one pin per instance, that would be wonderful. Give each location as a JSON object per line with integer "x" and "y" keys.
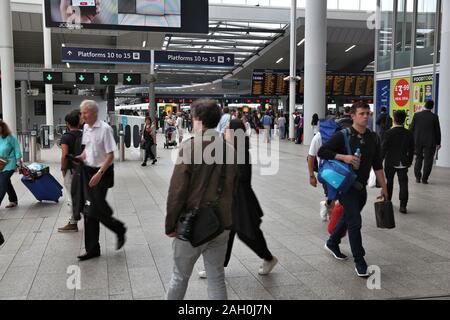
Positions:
{"x": 336, "y": 175}
{"x": 327, "y": 129}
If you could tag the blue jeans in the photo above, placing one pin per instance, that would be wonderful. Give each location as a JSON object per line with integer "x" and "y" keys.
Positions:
{"x": 282, "y": 132}
{"x": 353, "y": 202}
{"x": 6, "y": 186}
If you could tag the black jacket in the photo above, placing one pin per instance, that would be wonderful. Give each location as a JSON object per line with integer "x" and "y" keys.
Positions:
{"x": 398, "y": 146}
{"x": 426, "y": 129}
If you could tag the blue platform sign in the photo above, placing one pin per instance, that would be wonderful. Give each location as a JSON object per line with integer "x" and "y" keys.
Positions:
{"x": 194, "y": 59}
{"x": 383, "y": 96}
{"x": 104, "y": 55}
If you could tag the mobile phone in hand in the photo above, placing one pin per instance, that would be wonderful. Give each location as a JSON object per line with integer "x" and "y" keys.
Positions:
{"x": 87, "y": 7}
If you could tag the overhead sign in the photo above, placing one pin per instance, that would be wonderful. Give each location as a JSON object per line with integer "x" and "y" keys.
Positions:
{"x": 191, "y": 16}
{"x": 105, "y": 55}
{"x": 84, "y": 78}
{"x": 131, "y": 79}
{"x": 194, "y": 59}
{"x": 52, "y": 77}
{"x": 109, "y": 78}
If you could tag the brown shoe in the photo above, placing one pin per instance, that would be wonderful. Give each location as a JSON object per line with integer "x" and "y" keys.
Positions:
{"x": 69, "y": 228}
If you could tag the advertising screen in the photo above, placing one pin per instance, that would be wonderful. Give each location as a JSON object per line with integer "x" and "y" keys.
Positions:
{"x": 141, "y": 15}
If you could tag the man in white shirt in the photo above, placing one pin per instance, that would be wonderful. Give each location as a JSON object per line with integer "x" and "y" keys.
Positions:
{"x": 98, "y": 158}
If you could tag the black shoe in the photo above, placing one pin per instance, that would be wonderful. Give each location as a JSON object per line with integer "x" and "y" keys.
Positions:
{"x": 2, "y": 240}
{"x": 424, "y": 181}
{"x": 403, "y": 210}
{"x": 154, "y": 161}
{"x": 121, "y": 239}
{"x": 361, "y": 269}
{"x": 89, "y": 255}
{"x": 144, "y": 164}
{"x": 418, "y": 180}
{"x": 336, "y": 252}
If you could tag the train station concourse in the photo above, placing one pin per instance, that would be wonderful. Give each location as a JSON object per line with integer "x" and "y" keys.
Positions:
{"x": 251, "y": 150}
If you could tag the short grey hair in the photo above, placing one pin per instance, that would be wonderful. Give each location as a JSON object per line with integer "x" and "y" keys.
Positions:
{"x": 91, "y": 105}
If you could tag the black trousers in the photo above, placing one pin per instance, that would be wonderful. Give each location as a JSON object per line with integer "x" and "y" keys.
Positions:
{"x": 425, "y": 156}
{"x": 402, "y": 175}
{"x": 258, "y": 245}
{"x": 99, "y": 210}
{"x": 148, "y": 151}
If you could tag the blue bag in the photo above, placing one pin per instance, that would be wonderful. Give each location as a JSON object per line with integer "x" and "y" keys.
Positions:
{"x": 338, "y": 176}
{"x": 327, "y": 129}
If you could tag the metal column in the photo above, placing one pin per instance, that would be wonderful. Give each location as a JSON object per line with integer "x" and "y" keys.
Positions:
{"x": 315, "y": 63}
{"x": 23, "y": 106}
{"x": 48, "y": 65}
{"x": 7, "y": 66}
{"x": 293, "y": 67}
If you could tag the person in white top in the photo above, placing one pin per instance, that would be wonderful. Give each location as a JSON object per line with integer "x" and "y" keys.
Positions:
{"x": 98, "y": 174}
{"x": 180, "y": 128}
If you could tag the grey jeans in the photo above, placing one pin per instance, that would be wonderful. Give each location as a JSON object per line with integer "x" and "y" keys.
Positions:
{"x": 185, "y": 256}
{"x": 68, "y": 185}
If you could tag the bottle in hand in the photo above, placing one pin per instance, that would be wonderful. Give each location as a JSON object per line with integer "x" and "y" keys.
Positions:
{"x": 357, "y": 154}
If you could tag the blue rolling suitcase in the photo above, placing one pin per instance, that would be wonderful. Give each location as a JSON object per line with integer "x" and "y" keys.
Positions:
{"x": 45, "y": 188}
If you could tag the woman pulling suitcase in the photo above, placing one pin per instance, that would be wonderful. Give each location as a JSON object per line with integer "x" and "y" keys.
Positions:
{"x": 10, "y": 154}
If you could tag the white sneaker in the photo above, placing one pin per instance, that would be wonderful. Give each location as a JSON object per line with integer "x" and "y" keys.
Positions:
{"x": 323, "y": 211}
{"x": 267, "y": 266}
{"x": 202, "y": 274}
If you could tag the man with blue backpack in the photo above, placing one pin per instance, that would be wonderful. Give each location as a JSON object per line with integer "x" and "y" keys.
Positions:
{"x": 350, "y": 154}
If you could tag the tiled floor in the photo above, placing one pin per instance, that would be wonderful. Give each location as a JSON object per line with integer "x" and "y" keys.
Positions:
{"x": 414, "y": 258}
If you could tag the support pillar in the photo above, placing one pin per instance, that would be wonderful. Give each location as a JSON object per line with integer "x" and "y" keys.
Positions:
{"x": 293, "y": 68}
{"x": 7, "y": 66}
{"x": 444, "y": 92}
{"x": 23, "y": 106}
{"x": 49, "y": 120}
{"x": 315, "y": 63}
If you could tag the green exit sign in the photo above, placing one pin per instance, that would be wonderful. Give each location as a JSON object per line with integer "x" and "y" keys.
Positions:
{"x": 84, "y": 78}
{"x": 109, "y": 78}
{"x": 52, "y": 77}
{"x": 131, "y": 79}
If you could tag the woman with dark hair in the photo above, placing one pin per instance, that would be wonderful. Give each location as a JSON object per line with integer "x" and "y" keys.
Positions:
{"x": 246, "y": 210}
{"x": 148, "y": 140}
{"x": 10, "y": 154}
{"x": 315, "y": 123}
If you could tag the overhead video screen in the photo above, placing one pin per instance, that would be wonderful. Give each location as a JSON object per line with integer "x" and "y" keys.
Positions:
{"x": 134, "y": 15}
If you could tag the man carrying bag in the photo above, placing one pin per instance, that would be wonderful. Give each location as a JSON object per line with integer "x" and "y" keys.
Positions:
{"x": 355, "y": 198}
{"x": 195, "y": 184}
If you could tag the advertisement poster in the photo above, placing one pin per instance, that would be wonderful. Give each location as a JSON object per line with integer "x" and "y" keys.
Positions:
{"x": 401, "y": 92}
{"x": 422, "y": 91}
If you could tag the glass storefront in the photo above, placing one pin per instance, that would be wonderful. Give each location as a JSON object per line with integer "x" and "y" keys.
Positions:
{"x": 425, "y": 32}
{"x": 385, "y": 35}
{"x": 403, "y": 33}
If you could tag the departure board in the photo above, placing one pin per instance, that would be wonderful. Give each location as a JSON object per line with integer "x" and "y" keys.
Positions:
{"x": 338, "y": 85}
{"x": 329, "y": 84}
{"x": 269, "y": 84}
{"x": 361, "y": 84}
{"x": 369, "y": 86}
{"x": 257, "y": 83}
{"x": 349, "y": 87}
{"x": 281, "y": 86}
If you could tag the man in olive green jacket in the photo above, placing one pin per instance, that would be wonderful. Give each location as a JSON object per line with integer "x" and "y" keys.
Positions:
{"x": 194, "y": 184}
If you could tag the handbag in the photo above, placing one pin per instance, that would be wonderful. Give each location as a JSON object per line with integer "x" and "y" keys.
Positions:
{"x": 201, "y": 225}
{"x": 384, "y": 214}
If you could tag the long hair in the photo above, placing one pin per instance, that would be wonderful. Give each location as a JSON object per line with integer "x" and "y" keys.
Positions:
{"x": 315, "y": 119}
{"x": 4, "y": 129}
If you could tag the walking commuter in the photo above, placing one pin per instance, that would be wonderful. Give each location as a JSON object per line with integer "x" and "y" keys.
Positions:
{"x": 98, "y": 158}
{"x": 247, "y": 212}
{"x": 384, "y": 122}
{"x": 355, "y": 199}
{"x": 427, "y": 138}
{"x": 398, "y": 151}
{"x": 224, "y": 120}
{"x": 195, "y": 185}
{"x": 180, "y": 127}
{"x": 148, "y": 140}
{"x": 10, "y": 154}
{"x": 315, "y": 123}
{"x": 282, "y": 126}
{"x": 71, "y": 144}
{"x": 266, "y": 121}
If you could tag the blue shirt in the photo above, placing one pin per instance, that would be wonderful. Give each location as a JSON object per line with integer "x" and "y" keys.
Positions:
{"x": 267, "y": 120}
{"x": 10, "y": 150}
{"x": 223, "y": 122}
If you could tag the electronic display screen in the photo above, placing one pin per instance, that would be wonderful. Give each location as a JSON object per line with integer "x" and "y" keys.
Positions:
{"x": 134, "y": 15}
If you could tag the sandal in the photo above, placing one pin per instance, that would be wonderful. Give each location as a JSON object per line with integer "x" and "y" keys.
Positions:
{"x": 11, "y": 205}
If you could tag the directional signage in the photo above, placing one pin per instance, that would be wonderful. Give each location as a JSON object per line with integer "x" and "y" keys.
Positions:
{"x": 109, "y": 78}
{"x": 131, "y": 79}
{"x": 103, "y": 55}
{"x": 194, "y": 59}
{"x": 84, "y": 78}
{"x": 52, "y": 77}
{"x": 121, "y": 56}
